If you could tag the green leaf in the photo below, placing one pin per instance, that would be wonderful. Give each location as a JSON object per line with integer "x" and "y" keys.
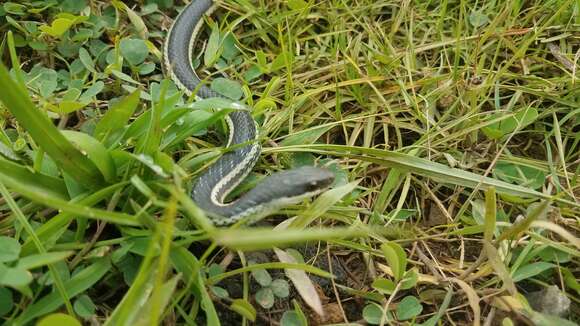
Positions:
{"x": 95, "y": 151}
{"x": 58, "y": 27}
{"x": 117, "y": 116}
{"x": 297, "y": 4}
{"x": 291, "y": 318}
{"x": 84, "y": 306}
{"x": 49, "y": 200}
{"x": 410, "y": 279}
{"x": 14, "y": 277}
{"x": 12, "y": 173}
{"x": 228, "y": 88}
{"x": 134, "y": 50}
{"x": 265, "y": 298}
{"x": 244, "y": 308}
{"x": 518, "y": 174}
{"x": 408, "y": 308}
{"x": 262, "y": 277}
{"x": 280, "y": 288}
{"x": 490, "y": 214}
{"x": 58, "y": 319}
{"x": 159, "y": 300}
{"x": 219, "y": 292}
{"x": 383, "y": 285}
{"x": 308, "y": 136}
{"x": 530, "y": 270}
{"x": 506, "y": 126}
{"x": 46, "y": 135}
{"x": 259, "y": 238}
{"x": 79, "y": 283}
{"x": 9, "y": 249}
{"x": 86, "y": 60}
{"x": 373, "y": 314}
{"x": 322, "y": 204}
{"x": 477, "y": 18}
{"x": 396, "y": 258}
{"x": 6, "y": 301}
{"x": 39, "y": 260}
{"x": 571, "y": 280}
{"x": 213, "y": 48}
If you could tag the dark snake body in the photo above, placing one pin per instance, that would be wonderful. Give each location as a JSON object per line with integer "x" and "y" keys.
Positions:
{"x": 232, "y": 167}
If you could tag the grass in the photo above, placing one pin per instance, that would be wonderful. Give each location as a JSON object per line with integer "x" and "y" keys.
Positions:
{"x": 453, "y": 129}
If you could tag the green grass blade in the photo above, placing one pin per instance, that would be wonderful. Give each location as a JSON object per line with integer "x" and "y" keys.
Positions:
{"x": 421, "y": 167}
{"x": 46, "y": 135}
{"x": 66, "y": 206}
{"x": 32, "y": 180}
{"x": 260, "y": 238}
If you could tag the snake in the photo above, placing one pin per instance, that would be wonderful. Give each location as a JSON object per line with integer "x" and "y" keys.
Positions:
{"x": 217, "y": 181}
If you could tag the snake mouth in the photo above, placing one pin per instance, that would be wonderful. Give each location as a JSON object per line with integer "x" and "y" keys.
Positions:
{"x": 319, "y": 185}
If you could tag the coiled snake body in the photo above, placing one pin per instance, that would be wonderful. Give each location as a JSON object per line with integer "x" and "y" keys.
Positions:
{"x": 212, "y": 187}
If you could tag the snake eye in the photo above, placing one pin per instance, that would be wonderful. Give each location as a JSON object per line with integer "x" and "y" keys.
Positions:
{"x": 312, "y": 186}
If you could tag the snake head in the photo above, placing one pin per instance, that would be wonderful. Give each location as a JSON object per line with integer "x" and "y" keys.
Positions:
{"x": 302, "y": 182}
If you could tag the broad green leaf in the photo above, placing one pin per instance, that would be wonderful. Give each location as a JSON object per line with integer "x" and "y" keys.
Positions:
{"x": 408, "y": 308}
{"x": 517, "y": 121}
{"x": 322, "y": 204}
{"x": 79, "y": 283}
{"x": 14, "y": 277}
{"x": 291, "y": 318}
{"x": 244, "y": 308}
{"x": 69, "y": 207}
{"x": 58, "y": 319}
{"x": 297, "y": 4}
{"x": 58, "y": 27}
{"x": 46, "y": 135}
{"x": 396, "y": 258}
{"x": 280, "y": 288}
{"x": 530, "y": 270}
{"x": 262, "y": 277}
{"x": 373, "y": 314}
{"x": 66, "y": 107}
{"x": 84, "y": 306}
{"x": 213, "y": 48}
{"x": 134, "y": 50}
{"x": 383, "y": 285}
{"x": 307, "y": 136}
{"x": 228, "y": 88}
{"x": 9, "y": 249}
{"x": 95, "y": 151}
{"x": 39, "y": 260}
{"x": 6, "y": 301}
{"x": 477, "y": 18}
{"x": 117, "y": 116}
{"x": 519, "y": 174}
{"x": 137, "y": 22}
{"x": 14, "y": 173}
{"x": 87, "y": 60}
{"x": 265, "y": 298}
{"x": 165, "y": 294}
